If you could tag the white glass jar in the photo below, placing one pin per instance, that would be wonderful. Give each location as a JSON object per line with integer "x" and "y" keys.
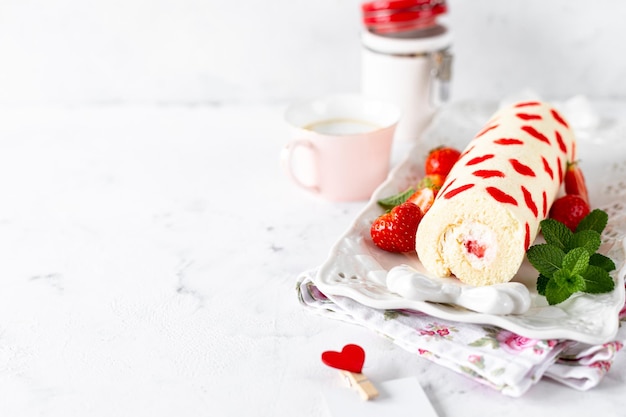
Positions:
{"x": 411, "y": 69}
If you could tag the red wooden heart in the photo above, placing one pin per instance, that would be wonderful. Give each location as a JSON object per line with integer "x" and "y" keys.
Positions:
{"x": 351, "y": 358}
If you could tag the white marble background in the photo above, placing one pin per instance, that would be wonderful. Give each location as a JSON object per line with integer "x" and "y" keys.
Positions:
{"x": 199, "y": 51}
{"x": 149, "y": 242}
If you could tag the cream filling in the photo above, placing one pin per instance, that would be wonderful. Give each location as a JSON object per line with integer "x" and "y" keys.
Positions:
{"x": 475, "y": 241}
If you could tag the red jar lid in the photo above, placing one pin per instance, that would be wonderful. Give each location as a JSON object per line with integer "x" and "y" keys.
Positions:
{"x": 388, "y": 16}
{"x": 381, "y": 5}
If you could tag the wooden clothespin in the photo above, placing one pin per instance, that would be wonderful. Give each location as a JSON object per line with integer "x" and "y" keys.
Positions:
{"x": 350, "y": 364}
{"x": 361, "y": 384}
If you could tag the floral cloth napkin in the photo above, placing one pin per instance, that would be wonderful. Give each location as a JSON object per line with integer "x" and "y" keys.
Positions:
{"x": 493, "y": 356}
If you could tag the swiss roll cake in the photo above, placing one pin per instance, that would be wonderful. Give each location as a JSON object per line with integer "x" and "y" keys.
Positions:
{"x": 488, "y": 210}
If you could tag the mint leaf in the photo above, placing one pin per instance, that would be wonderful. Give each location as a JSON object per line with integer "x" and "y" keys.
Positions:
{"x": 568, "y": 262}
{"x": 596, "y": 220}
{"x": 556, "y": 233}
{"x": 597, "y": 280}
{"x": 545, "y": 258}
{"x": 396, "y": 199}
{"x": 572, "y": 282}
{"x": 542, "y": 282}
{"x": 588, "y": 239}
{"x": 601, "y": 261}
{"x": 556, "y": 293}
{"x": 576, "y": 261}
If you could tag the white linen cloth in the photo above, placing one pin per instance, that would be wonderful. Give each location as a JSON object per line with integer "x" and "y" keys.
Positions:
{"x": 490, "y": 355}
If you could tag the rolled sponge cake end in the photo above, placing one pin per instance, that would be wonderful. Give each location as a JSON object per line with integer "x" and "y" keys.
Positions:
{"x": 490, "y": 206}
{"x": 474, "y": 238}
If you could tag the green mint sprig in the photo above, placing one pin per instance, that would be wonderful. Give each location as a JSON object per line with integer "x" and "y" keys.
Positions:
{"x": 568, "y": 263}
{"x": 396, "y": 199}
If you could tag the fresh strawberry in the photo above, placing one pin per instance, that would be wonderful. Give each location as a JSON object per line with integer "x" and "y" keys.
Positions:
{"x": 433, "y": 181}
{"x": 441, "y": 160}
{"x": 395, "y": 231}
{"x": 569, "y": 210}
{"x": 575, "y": 181}
{"x": 426, "y": 192}
{"x": 423, "y": 198}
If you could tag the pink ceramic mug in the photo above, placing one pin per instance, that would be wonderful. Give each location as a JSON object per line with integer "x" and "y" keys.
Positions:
{"x": 341, "y": 145}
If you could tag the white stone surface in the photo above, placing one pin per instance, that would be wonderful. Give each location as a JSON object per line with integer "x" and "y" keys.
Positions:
{"x": 149, "y": 240}
{"x": 149, "y": 257}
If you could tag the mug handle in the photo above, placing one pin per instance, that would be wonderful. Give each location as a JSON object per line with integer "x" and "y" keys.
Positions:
{"x": 287, "y": 161}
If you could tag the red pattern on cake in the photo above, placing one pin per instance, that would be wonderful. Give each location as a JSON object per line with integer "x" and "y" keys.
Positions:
{"x": 536, "y": 134}
{"x": 521, "y": 168}
{"x": 559, "y": 140}
{"x": 527, "y": 103}
{"x": 486, "y": 129}
{"x": 558, "y": 118}
{"x": 508, "y": 141}
{"x": 518, "y": 166}
{"x": 458, "y": 190}
{"x": 527, "y": 116}
{"x": 479, "y": 159}
{"x": 488, "y": 173}
{"x": 528, "y": 199}
{"x": 446, "y": 186}
{"x": 468, "y": 150}
{"x": 546, "y": 167}
{"x": 524, "y": 164}
{"x": 501, "y": 196}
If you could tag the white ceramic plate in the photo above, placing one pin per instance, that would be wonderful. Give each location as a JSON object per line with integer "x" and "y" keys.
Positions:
{"x": 357, "y": 269}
